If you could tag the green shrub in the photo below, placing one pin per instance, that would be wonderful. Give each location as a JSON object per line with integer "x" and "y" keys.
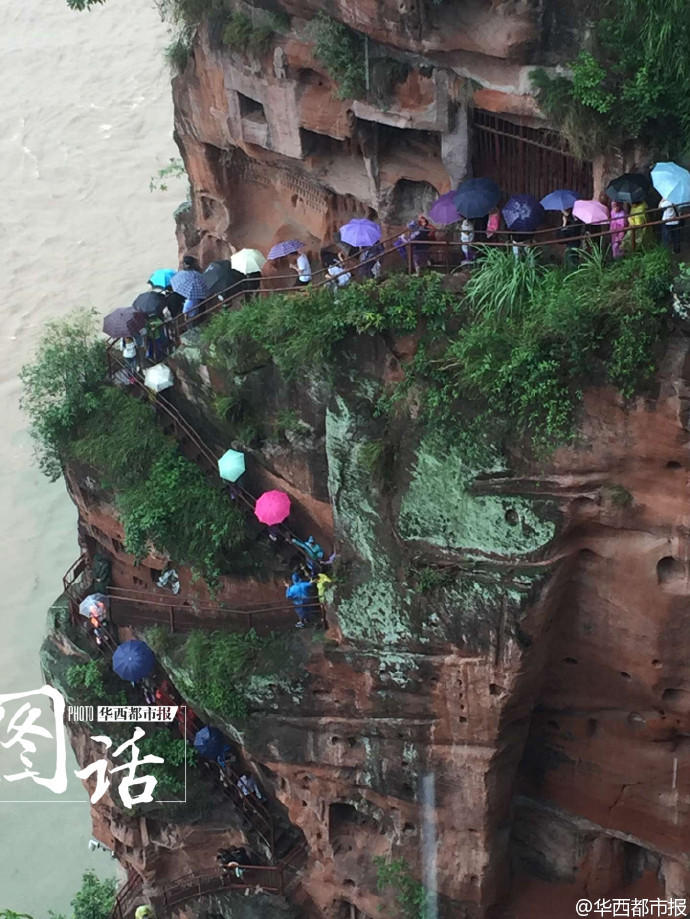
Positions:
{"x": 634, "y": 82}
{"x": 409, "y": 896}
{"x": 180, "y": 512}
{"x": 177, "y": 52}
{"x": 241, "y": 34}
{"x": 175, "y": 751}
{"x": 341, "y": 51}
{"x": 61, "y": 385}
{"x": 121, "y": 439}
{"x": 218, "y": 663}
{"x": 87, "y": 680}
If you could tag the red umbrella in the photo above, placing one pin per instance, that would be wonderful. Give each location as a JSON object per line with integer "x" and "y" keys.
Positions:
{"x": 272, "y": 507}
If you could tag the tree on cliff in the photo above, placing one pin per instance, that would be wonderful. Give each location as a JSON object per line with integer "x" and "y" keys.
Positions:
{"x": 60, "y": 385}
{"x": 93, "y": 900}
{"x": 633, "y": 82}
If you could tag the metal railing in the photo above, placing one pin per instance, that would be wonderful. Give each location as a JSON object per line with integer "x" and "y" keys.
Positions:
{"x": 126, "y": 895}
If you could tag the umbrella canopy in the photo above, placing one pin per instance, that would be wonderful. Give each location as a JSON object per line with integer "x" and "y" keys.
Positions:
{"x": 209, "y": 742}
{"x": 220, "y": 275}
{"x": 476, "y": 197}
{"x": 360, "y": 232}
{"x": 560, "y": 200}
{"x": 590, "y": 211}
{"x": 150, "y": 303}
{"x": 161, "y": 277}
{"x": 133, "y": 660}
{"x": 672, "y": 182}
{"x": 124, "y": 322}
{"x": 272, "y": 507}
{"x": 523, "y": 213}
{"x": 94, "y": 605}
{"x": 231, "y": 465}
{"x": 189, "y": 284}
{"x": 443, "y": 211}
{"x": 629, "y": 188}
{"x": 158, "y": 377}
{"x": 284, "y": 248}
{"x": 248, "y": 261}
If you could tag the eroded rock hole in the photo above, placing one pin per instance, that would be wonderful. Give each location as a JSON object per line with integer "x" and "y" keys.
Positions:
{"x": 669, "y": 569}
{"x": 569, "y": 660}
{"x": 673, "y": 464}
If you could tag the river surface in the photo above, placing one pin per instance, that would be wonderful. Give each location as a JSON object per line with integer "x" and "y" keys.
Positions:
{"x": 85, "y": 122}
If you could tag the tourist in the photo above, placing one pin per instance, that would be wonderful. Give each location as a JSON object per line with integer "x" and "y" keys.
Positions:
{"x": 157, "y": 340}
{"x": 247, "y": 786}
{"x": 313, "y": 553}
{"x": 370, "y": 260}
{"x": 300, "y": 592}
{"x": 570, "y": 232}
{"x": 129, "y": 354}
{"x": 467, "y": 237}
{"x": 419, "y": 236}
{"x": 189, "y": 307}
{"x": 638, "y": 238}
{"x": 302, "y": 267}
{"x": 670, "y": 228}
{"x": 617, "y": 225}
{"x": 493, "y": 223}
{"x": 337, "y": 271}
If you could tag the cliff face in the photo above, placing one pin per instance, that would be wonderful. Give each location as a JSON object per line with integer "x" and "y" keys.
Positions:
{"x": 505, "y": 672}
{"x": 272, "y": 152}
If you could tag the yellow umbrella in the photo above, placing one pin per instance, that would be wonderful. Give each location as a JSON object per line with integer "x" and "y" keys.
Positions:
{"x": 248, "y": 261}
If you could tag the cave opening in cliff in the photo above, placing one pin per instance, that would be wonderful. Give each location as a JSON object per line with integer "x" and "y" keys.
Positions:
{"x": 524, "y": 159}
{"x": 410, "y": 199}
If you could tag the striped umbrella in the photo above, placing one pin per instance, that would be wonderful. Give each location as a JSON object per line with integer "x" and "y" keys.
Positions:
{"x": 285, "y": 248}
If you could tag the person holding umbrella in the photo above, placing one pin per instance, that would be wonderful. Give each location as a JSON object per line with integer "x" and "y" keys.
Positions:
{"x": 190, "y": 284}
{"x": 303, "y": 268}
{"x": 670, "y": 228}
{"x": 617, "y": 225}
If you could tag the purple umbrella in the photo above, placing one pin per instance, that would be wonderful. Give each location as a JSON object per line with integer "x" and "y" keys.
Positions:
{"x": 124, "y": 322}
{"x": 523, "y": 213}
{"x": 189, "y": 284}
{"x": 360, "y": 232}
{"x": 443, "y": 210}
{"x": 285, "y": 248}
{"x": 590, "y": 211}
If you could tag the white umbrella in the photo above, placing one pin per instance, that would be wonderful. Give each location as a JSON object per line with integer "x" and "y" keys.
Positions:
{"x": 158, "y": 377}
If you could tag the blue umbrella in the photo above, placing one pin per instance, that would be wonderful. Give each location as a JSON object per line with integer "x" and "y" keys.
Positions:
{"x": 560, "y": 200}
{"x": 133, "y": 660}
{"x": 161, "y": 277}
{"x": 210, "y": 743}
{"x": 523, "y": 213}
{"x": 360, "y": 232}
{"x": 231, "y": 465}
{"x": 189, "y": 284}
{"x": 285, "y": 248}
{"x": 476, "y": 197}
{"x": 672, "y": 182}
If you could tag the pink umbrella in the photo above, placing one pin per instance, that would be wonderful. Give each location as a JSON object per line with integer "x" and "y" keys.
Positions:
{"x": 272, "y": 507}
{"x": 590, "y": 211}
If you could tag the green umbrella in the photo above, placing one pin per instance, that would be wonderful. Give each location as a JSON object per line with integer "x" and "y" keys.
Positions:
{"x": 231, "y": 465}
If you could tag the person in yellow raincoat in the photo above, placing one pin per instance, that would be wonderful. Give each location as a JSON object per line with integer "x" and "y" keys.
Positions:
{"x": 144, "y": 912}
{"x": 637, "y": 238}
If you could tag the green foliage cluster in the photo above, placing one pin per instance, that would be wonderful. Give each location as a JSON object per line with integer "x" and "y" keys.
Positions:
{"x": 217, "y": 664}
{"x": 596, "y": 324}
{"x": 61, "y": 386}
{"x": 174, "y": 170}
{"x": 174, "y": 751}
{"x": 633, "y": 83}
{"x": 87, "y": 680}
{"x": 409, "y": 895}
{"x": 94, "y": 900}
{"x": 300, "y": 334}
{"x": 341, "y": 51}
{"x": 517, "y": 348}
{"x": 241, "y": 34}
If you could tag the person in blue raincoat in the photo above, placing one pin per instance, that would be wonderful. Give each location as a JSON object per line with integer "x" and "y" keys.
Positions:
{"x": 313, "y": 553}
{"x": 302, "y": 594}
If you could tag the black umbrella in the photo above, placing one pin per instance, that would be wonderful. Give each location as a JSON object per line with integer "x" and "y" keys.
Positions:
{"x": 124, "y": 322}
{"x": 220, "y": 275}
{"x": 629, "y": 188}
{"x": 151, "y": 303}
{"x": 476, "y": 197}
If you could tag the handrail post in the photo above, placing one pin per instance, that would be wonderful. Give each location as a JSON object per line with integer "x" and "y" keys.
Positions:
{"x": 410, "y": 262}
{"x": 172, "y": 619}
{"x": 447, "y": 256}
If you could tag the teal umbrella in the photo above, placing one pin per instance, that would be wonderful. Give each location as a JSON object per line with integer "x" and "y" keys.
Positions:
{"x": 231, "y": 465}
